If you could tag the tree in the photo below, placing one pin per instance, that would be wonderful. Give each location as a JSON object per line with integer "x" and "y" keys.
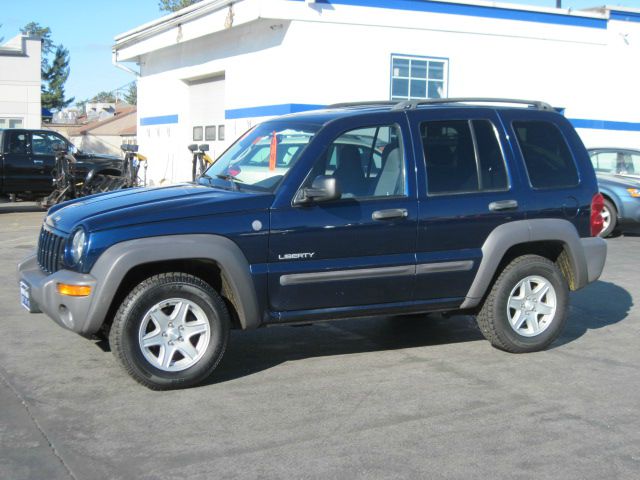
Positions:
{"x": 131, "y": 97}
{"x": 174, "y": 5}
{"x": 55, "y": 77}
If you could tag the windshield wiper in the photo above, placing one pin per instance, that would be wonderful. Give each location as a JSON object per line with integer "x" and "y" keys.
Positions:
{"x": 230, "y": 178}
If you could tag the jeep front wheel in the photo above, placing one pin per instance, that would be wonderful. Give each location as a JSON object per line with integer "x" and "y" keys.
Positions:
{"x": 170, "y": 331}
{"x": 526, "y": 308}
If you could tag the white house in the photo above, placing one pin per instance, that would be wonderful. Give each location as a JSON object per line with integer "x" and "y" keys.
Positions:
{"x": 20, "y": 83}
{"x": 212, "y": 70}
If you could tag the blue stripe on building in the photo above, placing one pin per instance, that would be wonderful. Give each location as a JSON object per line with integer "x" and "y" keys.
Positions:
{"x": 284, "y": 108}
{"x": 269, "y": 110}
{"x": 624, "y": 16}
{"x": 160, "y": 120}
{"x": 476, "y": 11}
{"x": 605, "y": 124}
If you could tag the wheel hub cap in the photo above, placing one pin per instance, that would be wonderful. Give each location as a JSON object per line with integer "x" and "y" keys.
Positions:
{"x": 531, "y": 306}
{"x": 174, "y": 334}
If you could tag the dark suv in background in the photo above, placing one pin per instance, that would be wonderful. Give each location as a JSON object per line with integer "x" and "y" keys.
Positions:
{"x": 356, "y": 210}
{"x": 27, "y": 159}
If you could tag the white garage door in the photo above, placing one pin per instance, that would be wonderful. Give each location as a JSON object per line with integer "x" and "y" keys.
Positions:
{"x": 206, "y": 98}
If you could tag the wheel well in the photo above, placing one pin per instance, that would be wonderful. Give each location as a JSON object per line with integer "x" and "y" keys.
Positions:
{"x": 613, "y": 202}
{"x": 554, "y": 250}
{"x": 205, "y": 269}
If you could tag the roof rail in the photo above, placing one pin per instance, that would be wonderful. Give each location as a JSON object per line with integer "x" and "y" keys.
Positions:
{"x": 412, "y": 104}
{"x": 371, "y": 103}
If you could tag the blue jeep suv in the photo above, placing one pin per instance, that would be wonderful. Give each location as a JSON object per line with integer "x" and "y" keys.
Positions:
{"x": 378, "y": 208}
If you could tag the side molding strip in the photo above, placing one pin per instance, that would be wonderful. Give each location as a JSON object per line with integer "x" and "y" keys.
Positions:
{"x": 376, "y": 272}
{"x": 457, "y": 266}
{"x": 313, "y": 277}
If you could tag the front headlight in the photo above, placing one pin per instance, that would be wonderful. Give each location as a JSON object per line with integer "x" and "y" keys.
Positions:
{"x": 634, "y": 192}
{"x": 78, "y": 242}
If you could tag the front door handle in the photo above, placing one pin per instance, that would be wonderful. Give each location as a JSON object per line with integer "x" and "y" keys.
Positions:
{"x": 503, "y": 205}
{"x": 39, "y": 162}
{"x": 390, "y": 214}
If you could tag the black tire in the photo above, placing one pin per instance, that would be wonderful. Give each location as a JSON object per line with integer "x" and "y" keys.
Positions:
{"x": 493, "y": 318}
{"x": 613, "y": 215}
{"x": 126, "y": 328}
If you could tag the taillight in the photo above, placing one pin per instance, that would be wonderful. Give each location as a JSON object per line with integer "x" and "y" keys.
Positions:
{"x": 597, "y": 222}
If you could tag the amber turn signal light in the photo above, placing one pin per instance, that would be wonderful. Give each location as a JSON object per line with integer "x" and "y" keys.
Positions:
{"x": 74, "y": 290}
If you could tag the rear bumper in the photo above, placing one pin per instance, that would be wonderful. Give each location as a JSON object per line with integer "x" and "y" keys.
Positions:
{"x": 595, "y": 254}
{"x": 69, "y": 312}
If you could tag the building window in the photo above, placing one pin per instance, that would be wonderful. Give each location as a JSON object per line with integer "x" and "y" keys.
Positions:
{"x": 210, "y": 133}
{"x": 197, "y": 134}
{"x": 418, "y": 77}
{"x": 221, "y": 132}
{"x": 10, "y": 123}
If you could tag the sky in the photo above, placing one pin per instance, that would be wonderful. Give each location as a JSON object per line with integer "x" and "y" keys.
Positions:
{"x": 87, "y": 28}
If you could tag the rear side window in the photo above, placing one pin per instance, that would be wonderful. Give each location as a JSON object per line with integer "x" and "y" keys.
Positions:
{"x": 546, "y": 155}
{"x": 462, "y": 156}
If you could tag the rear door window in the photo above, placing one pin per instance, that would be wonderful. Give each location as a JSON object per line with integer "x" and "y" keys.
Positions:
{"x": 546, "y": 155}
{"x": 462, "y": 156}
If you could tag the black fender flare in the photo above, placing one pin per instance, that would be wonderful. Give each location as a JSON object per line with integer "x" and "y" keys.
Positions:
{"x": 114, "y": 263}
{"x": 510, "y": 234}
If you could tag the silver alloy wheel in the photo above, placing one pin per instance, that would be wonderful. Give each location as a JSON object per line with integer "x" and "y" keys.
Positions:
{"x": 174, "y": 334}
{"x": 531, "y": 306}
{"x": 606, "y": 218}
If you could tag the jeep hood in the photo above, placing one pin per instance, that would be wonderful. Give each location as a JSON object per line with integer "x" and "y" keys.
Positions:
{"x": 148, "y": 205}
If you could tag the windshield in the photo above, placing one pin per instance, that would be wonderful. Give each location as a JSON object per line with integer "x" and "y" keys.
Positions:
{"x": 260, "y": 159}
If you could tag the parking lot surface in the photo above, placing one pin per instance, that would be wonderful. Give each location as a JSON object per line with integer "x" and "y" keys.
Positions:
{"x": 411, "y": 397}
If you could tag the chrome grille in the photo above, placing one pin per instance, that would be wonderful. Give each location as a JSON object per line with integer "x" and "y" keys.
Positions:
{"x": 50, "y": 251}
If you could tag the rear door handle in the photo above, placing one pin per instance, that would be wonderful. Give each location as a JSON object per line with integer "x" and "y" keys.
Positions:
{"x": 390, "y": 214}
{"x": 503, "y": 205}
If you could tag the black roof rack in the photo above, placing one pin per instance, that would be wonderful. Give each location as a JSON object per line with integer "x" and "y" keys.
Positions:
{"x": 373, "y": 103}
{"x": 412, "y": 104}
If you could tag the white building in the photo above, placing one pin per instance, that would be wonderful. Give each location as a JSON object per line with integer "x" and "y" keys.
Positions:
{"x": 212, "y": 70}
{"x": 20, "y": 83}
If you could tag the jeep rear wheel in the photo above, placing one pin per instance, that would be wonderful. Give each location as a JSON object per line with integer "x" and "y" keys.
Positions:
{"x": 526, "y": 308}
{"x": 170, "y": 331}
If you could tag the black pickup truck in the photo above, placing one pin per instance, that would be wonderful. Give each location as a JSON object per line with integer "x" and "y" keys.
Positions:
{"x": 27, "y": 159}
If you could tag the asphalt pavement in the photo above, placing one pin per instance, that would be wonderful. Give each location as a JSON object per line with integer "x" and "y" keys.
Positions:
{"x": 411, "y": 397}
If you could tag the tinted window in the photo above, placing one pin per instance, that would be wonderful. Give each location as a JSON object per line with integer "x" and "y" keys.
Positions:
{"x": 17, "y": 143}
{"x": 43, "y": 143}
{"x": 454, "y": 165}
{"x": 367, "y": 163}
{"x": 546, "y": 155}
{"x": 493, "y": 175}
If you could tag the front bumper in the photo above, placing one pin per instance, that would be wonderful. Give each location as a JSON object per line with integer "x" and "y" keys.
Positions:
{"x": 595, "y": 254}
{"x": 69, "y": 312}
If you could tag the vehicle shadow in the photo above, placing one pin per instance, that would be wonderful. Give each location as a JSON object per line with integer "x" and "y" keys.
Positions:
{"x": 596, "y": 306}
{"x": 19, "y": 207}
{"x": 254, "y": 351}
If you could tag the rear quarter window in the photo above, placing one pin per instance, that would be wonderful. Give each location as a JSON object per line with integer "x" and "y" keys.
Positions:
{"x": 546, "y": 154}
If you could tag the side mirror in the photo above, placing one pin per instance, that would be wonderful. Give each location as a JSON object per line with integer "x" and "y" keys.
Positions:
{"x": 193, "y": 147}
{"x": 125, "y": 147}
{"x": 133, "y": 147}
{"x": 204, "y": 147}
{"x": 59, "y": 147}
{"x": 323, "y": 189}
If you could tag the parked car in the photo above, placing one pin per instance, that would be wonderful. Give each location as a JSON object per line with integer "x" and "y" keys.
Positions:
{"x": 491, "y": 210}
{"x": 616, "y": 161}
{"x": 618, "y": 173}
{"x": 27, "y": 158}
